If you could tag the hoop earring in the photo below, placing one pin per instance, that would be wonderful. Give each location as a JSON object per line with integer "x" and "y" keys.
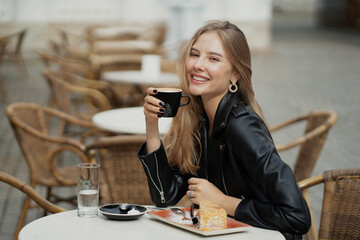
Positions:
{"x": 233, "y": 87}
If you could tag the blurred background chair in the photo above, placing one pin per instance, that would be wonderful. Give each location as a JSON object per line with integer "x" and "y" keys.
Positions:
{"x": 122, "y": 175}
{"x": 317, "y": 126}
{"x": 102, "y": 86}
{"x": 3, "y": 42}
{"x": 13, "y": 51}
{"x": 340, "y": 215}
{"x": 51, "y": 158}
{"x": 59, "y": 62}
{"x": 81, "y": 102}
{"x": 81, "y": 74}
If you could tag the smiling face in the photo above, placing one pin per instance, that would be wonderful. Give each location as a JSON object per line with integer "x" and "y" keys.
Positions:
{"x": 208, "y": 68}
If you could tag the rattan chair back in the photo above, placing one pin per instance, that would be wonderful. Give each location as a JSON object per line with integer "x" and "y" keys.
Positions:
{"x": 78, "y": 101}
{"x": 340, "y": 215}
{"x": 102, "y": 86}
{"x": 123, "y": 177}
{"x": 318, "y": 124}
{"x": 58, "y": 62}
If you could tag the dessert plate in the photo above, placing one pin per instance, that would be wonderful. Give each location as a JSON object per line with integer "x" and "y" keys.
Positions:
{"x": 116, "y": 212}
{"x": 185, "y": 222}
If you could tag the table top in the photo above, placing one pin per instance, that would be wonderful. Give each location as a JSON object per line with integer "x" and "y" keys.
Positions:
{"x": 127, "y": 120}
{"x": 67, "y": 225}
{"x": 138, "y": 77}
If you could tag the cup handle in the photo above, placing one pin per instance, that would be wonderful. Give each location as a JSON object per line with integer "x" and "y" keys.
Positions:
{"x": 184, "y": 104}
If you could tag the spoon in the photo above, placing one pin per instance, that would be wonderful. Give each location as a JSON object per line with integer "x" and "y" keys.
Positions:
{"x": 194, "y": 219}
{"x": 180, "y": 212}
{"x": 124, "y": 208}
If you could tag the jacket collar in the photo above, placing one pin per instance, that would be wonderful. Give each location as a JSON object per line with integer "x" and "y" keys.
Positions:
{"x": 223, "y": 111}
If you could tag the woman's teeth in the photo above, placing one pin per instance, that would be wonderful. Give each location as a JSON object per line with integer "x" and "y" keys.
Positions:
{"x": 200, "y": 79}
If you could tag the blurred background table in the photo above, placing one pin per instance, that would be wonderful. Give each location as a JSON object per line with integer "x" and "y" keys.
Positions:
{"x": 139, "y": 78}
{"x": 127, "y": 120}
{"x": 131, "y": 86}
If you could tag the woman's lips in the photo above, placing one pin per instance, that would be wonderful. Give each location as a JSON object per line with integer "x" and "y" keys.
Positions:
{"x": 199, "y": 78}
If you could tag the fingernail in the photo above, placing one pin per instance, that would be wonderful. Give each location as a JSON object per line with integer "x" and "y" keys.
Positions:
{"x": 162, "y": 110}
{"x": 162, "y": 104}
{"x": 159, "y": 115}
{"x": 154, "y": 91}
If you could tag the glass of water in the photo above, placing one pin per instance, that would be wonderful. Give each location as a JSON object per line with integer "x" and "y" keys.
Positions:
{"x": 88, "y": 189}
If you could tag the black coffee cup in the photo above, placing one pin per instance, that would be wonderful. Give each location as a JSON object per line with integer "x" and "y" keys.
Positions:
{"x": 172, "y": 98}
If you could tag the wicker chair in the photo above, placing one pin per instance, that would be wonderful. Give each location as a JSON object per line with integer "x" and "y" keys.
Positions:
{"x": 58, "y": 62}
{"x": 102, "y": 86}
{"x": 116, "y": 62}
{"x": 3, "y": 42}
{"x": 13, "y": 51}
{"x": 311, "y": 143}
{"x": 123, "y": 177}
{"x": 80, "y": 102}
{"x": 74, "y": 45}
{"x": 340, "y": 215}
{"x": 45, "y": 151}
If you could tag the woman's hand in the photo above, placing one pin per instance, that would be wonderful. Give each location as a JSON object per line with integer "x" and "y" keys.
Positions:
{"x": 153, "y": 109}
{"x": 200, "y": 188}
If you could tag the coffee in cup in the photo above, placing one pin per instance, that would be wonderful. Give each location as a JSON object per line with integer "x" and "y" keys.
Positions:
{"x": 172, "y": 100}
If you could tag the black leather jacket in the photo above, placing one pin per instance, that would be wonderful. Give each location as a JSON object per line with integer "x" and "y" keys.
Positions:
{"x": 241, "y": 160}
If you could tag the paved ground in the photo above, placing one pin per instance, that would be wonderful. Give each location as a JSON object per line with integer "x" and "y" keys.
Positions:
{"x": 309, "y": 68}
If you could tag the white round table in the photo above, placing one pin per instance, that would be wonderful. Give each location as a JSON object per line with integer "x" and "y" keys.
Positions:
{"x": 139, "y": 78}
{"x": 127, "y": 120}
{"x": 68, "y": 226}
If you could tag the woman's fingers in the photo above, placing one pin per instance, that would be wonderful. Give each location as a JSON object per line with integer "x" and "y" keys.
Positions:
{"x": 200, "y": 188}
{"x": 153, "y": 111}
{"x": 153, "y": 107}
{"x": 151, "y": 91}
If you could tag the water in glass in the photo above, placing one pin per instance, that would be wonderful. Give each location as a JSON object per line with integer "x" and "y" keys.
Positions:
{"x": 88, "y": 201}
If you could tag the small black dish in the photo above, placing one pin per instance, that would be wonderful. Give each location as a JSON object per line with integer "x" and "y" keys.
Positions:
{"x": 116, "y": 211}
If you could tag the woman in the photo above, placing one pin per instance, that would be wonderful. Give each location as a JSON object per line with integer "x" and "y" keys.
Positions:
{"x": 218, "y": 147}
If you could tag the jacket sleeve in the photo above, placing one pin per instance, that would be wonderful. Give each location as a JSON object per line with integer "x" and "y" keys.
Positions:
{"x": 283, "y": 207}
{"x": 167, "y": 185}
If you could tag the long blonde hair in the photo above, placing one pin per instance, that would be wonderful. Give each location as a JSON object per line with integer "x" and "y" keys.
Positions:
{"x": 183, "y": 138}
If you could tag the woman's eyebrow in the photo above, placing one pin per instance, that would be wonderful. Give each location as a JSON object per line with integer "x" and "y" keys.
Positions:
{"x": 216, "y": 53}
{"x": 210, "y": 53}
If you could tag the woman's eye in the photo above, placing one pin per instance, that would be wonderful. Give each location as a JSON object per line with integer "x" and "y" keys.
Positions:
{"x": 194, "y": 54}
{"x": 214, "y": 59}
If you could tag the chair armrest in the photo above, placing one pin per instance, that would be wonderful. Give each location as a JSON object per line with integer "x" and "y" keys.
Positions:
{"x": 309, "y": 182}
{"x": 69, "y": 118}
{"x": 60, "y": 140}
{"x": 94, "y": 132}
{"x": 29, "y": 191}
{"x": 52, "y": 162}
{"x": 286, "y": 123}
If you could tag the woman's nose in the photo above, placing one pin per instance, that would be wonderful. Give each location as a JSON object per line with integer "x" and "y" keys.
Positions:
{"x": 199, "y": 64}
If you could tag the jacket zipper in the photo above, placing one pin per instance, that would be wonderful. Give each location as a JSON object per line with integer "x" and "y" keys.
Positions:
{"x": 160, "y": 190}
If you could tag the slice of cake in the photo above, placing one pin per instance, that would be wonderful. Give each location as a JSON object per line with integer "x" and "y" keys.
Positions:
{"x": 211, "y": 216}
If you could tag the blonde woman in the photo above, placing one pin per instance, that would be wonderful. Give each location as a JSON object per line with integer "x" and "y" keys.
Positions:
{"x": 218, "y": 147}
